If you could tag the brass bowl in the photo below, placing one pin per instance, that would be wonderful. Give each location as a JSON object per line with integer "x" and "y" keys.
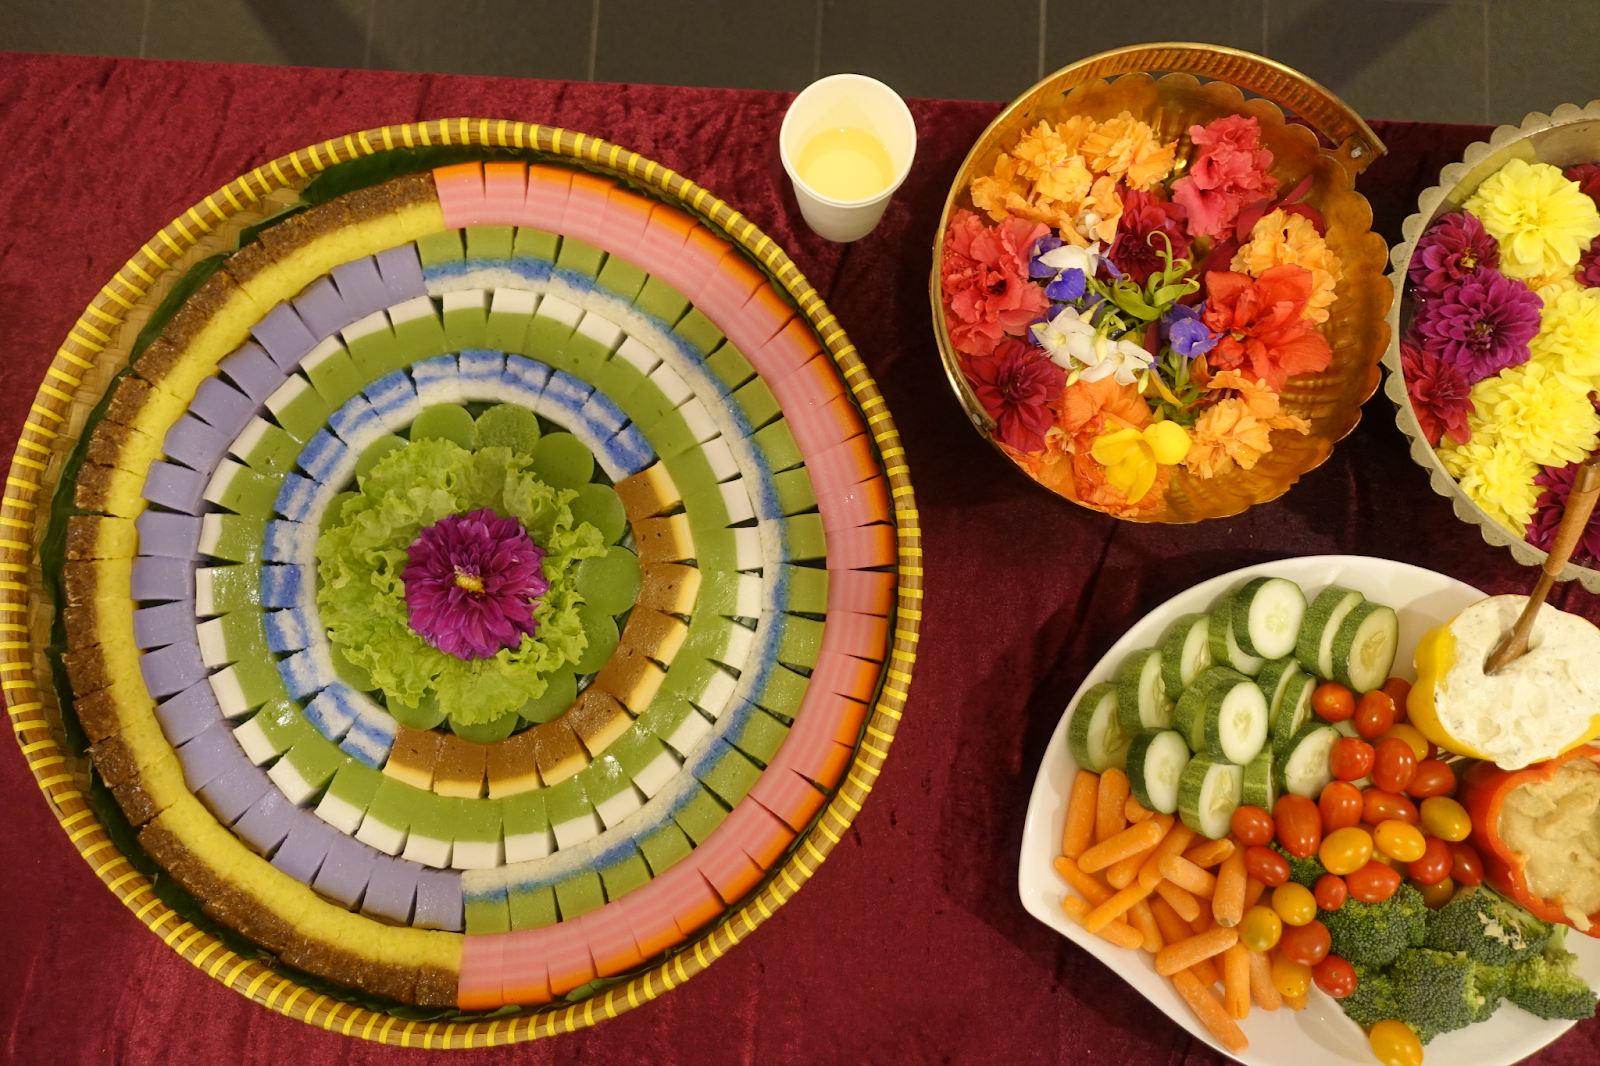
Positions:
{"x": 1567, "y": 136}
{"x": 1357, "y": 329}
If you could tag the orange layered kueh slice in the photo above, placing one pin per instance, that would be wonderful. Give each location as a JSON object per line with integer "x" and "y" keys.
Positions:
{"x": 787, "y": 795}
{"x": 626, "y": 219}
{"x": 702, "y": 251}
{"x": 612, "y": 948}
{"x": 791, "y": 348}
{"x": 525, "y": 966}
{"x": 567, "y": 954}
{"x": 482, "y": 973}
{"x": 865, "y": 636}
{"x": 505, "y": 191}
{"x": 414, "y": 757}
{"x": 847, "y": 463}
{"x": 861, "y": 547}
{"x": 843, "y": 674}
{"x": 728, "y": 289}
{"x": 759, "y": 833}
{"x": 661, "y": 246}
{"x": 546, "y": 205}
{"x": 818, "y": 429}
{"x": 513, "y": 765}
{"x": 689, "y": 896}
{"x": 723, "y": 862}
{"x": 654, "y": 929}
{"x": 861, "y": 504}
{"x": 586, "y": 206}
{"x": 863, "y": 591}
{"x": 460, "y": 193}
{"x": 811, "y": 388}
{"x": 759, "y": 320}
{"x": 461, "y": 767}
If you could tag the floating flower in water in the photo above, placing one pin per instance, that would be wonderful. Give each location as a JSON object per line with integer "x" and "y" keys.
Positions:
{"x": 1495, "y": 475}
{"x": 1229, "y": 171}
{"x": 1588, "y": 271}
{"x": 1440, "y": 394}
{"x": 1132, "y": 457}
{"x": 1542, "y": 219}
{"x": 1262, "y": 324}
{"x": 1540, "y": 411}
{"x": 1137, "y": 251}
{"x": 985, "y": 278}
{"x": 1541, "y": 532}
{"x": 1569, "y": 334}
{"x": 1183, "y": 328}
{"x": 1483, "y": 323}
{"x": 1015, "y": 385}
{"x": 1452, "y": 249}
{"x": 1279, "y": 238}
{"x": 472, "y": 584}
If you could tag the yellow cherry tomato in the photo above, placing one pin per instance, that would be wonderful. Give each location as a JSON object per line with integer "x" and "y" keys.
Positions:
{"x": 1399, "y": 840}
{"x": 1344, "y": 851}
{"x": 1411, "y": 735}
{"x": 1446, "y": 819}
{"x": 1395, "y": 1044}
{"x": 1290, "y": 978}
{"x": 1436, "y": 896}
{"x": 1294, "y": 903}
{"x": 1260, "y": 928}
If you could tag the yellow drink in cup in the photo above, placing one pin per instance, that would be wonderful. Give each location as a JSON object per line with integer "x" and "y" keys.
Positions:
{"x": 845, "y": 164}
{"x": 847, "y": 142}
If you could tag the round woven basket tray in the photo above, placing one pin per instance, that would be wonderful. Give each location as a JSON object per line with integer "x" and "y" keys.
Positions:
{"x": 97, "y": 348}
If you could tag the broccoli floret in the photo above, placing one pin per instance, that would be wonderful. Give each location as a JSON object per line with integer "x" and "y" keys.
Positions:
{"x": 1374, "y": 934}
{"x": 1373, "y": 1000}
{"x": 1302, "y": 871}
{"x": 1548, "y": 986}
{"x": 1441, "y": 991}
{"x": 1488, "y": 927}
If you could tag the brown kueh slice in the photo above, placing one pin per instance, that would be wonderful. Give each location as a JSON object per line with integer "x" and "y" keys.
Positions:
{"x": 598, "y": 718}
{"x": 88, "y": 669}
{"x": 669, "y": 587}
{"x": 97, "y": 712}
{"x": 128, "y": 401}
{"x": 114, "y": 761}
{"x": 137, "y": 804}
{"x": 99, "y": 537}
{"x": 158, "y": 360}
{"x": 436, "y": 987}
{"x": 249, "y": 261}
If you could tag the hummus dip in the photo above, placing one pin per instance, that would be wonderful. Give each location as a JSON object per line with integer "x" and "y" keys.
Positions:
{"x": 1555, "y": 825}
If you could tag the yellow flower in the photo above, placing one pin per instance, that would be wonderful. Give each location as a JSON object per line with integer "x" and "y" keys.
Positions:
{"x": 1544, "y": 413}
{"x": 1126, "y": 148}
{"x": 1132, "y": 457}
{"x": 1551, "y": 286}
{"x": 1280, "y": 238}
{"x": 1569, "y": 335}
{"x": 1542, "y": 219}
{"x": 1497, "y": 476}
{"x": 1227, "y": 433}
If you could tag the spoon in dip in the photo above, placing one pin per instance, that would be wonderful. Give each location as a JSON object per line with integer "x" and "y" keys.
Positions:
{"x": 1580, "y": 505}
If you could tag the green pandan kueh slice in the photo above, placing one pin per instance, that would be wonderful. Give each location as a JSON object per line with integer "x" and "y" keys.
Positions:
{"x": 334, "y": 375}
{"x": 490, "y": 242}
{"x": 661, "y": 300}
{"x": 532, "y": 908}
{"x": 622, "y": 278}
{"x": 272, "y": 452}
{"x": 466, "y": 327}
{"x": 707, "y": 510}
{"x": 716, "y": 550}
{"x": 579, "y": 894}
{"x": 580, "y": 257}
{"x": 625, "y": 875}
{"x": 731, "y": 776}
{"x": 730, "y": 366}
{"x": 238, "y": 536}
{"x": 665, "y": 847}
{"x": 487, "y": 912}
{"x": 755, "y": 399}
{"x": 795, "y": 493}
{"x": 580, "y": 355}
{"x": 801, "y": 642}
{"x": 781, "y": 691}
{"x": 534, "y": 243}
{"x": 700, "y": 817}
{"x": 444, "y": 247}
{"x": 699, "y": 331}
{"x": 759, "y": 735}
{"x": 777, "y": 444}
{"x": 692, "y": 474}
{"x": 804, "y": 538}
{"x": 808, "y": 588}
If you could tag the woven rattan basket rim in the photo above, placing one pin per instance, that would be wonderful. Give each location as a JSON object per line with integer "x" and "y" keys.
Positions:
{"x": 25, "y": 508}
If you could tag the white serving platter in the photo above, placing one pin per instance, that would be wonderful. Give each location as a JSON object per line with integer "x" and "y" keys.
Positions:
{"x": 1320, "y": 1035}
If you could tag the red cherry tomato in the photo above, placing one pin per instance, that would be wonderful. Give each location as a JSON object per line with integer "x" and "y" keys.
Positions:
{"x": 1373, "y": 883}
{"x": 1374, "y": 714}
{"x": 1266, "y": 865}
{"x": 1433, "y": 778}
{"x": 1350, "y": 759}
{"x": 1395, "y": 765}
{"x": 1466, "y": 867}
{"x": 1306, "y": 944}
{"x": 1331, "y": 892}
{"x": 1398, "y": 691}
{"x": 1340, "y": 806}
{"x": 1333, "y": 702}
{"x": 1299, "y": 825}
{"x": 1252, "y": 825}
{"x": 1380, "y": 806}
{"x": 1334, "y": 976}
{"x": 1435, "y": 864}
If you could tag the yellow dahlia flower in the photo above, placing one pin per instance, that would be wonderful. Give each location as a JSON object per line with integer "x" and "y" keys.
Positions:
{"x": 1569, "y": 335}
{"x": 1497, "y": 477}
{"x": 1545, "y": 414}
{"x": 1542, "y": 219}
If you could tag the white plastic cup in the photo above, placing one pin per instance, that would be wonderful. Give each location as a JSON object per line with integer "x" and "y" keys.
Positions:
{"x": 851, "y": 101}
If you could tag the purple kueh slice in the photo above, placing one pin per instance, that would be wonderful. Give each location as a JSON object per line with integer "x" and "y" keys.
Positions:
{"x": 306, "y": 846}
{"x": 253, "y": 370}
{"x": 322, "y": 309}
{"x": 156, "y": 627}
{"x": 174, "y": 486}
{"x": 209, "y": 755}
{"x": 189, "y": 713}
{"x": 169, "y": 535}
{"x": 361, "y": 285}
{"x": 438, "y": 900}
{"x": 391, "y": 890}
{"x": 224, "y": 407}
{"x": 345, "y": 872}
{"x": 235, "y": 791}
{"x": 173, "y": 668}
{"x": 195, "y": 444}
{"x": 402, "y": 274}
{"x": 285, "y": 336}
{"x": 268, "y": 822}
{"x": 156, "y": 577}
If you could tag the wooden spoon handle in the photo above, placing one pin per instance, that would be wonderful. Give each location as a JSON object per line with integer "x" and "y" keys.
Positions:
{"x": 1580, "y": 505}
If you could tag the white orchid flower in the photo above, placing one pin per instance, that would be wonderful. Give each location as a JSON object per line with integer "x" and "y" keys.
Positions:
{"x": 1124, "y": 358}
{"x": 1071, "y": 257}
{"x": 1067, "y": 338}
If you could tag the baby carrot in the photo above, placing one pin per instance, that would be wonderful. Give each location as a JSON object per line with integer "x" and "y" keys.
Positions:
{"x": 1184, "y": 903}
{"x": 1134, "y": 811}
{"x": 1185, "y": 953}
{"x": 1236, "y": 981}
{"x": 1296, "y": 1002}
{"x": 1228, "y": 902}
{"x": 1115, "y": 907}
{"x": 1186, "y": 875}
{"x": 1111, "y": 803}
{"x": 1206, "y": 972}
{"x": 1121, "y": 873}
{"x": 1087, "y": 885}
{"x": 1266, "y": 994}
{"x": 1141, "y": 918}
{"x": 1252, "y": 892}
{"x": 1171, "y": 844}
{"x": 1173, "y": 928}
{"x": 1134, "y": 839}
{"x": 1079, "y": 829}
{"x": 1210, "y": 853}
{"x": 1206, "y": 920}
{"x": 1119, "y": 933}
{"x": 1204, "y": 1003}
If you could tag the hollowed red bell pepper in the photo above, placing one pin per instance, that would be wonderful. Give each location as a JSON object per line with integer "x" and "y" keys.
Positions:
{"x": 1484, "y": 789}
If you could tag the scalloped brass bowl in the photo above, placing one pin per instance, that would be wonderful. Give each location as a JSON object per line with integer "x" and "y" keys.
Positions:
{"x": 1357, "y": 329}
{"x": 1567, "y": 136}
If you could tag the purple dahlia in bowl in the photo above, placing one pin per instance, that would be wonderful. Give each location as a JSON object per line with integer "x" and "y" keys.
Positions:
{"x": 1482, "y": 324}
{"x": 1455, "y": 247}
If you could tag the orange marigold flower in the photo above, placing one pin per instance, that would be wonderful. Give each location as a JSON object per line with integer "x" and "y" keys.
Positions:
{"x": 1281, "y": 237}
{"x": 1238, "y": 429}
{"x": 1127, "y": 149}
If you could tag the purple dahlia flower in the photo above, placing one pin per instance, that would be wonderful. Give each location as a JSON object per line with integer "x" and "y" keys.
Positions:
{"x": 472, "y": 584}
{"x": 1482, "y": 324}
{"x": 1557, "y": 484}
{"x": 1455, "y": 247}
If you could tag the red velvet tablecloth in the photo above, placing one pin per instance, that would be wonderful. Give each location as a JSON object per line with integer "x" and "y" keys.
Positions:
{"x": 911, "y": 945}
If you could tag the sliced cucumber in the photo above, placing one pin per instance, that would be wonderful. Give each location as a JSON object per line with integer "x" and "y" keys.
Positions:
{"x": 1236, "y": 722}
{"x": 1346, "y": 728}
{"x": 1266, "y": 616}
{"x": 1260, "y": 788}
{"x": 1303, "y": 768}
{"x": 1189, "y": 716}
{"x": 1156, "y": 759}
{"x": 1274, "y": 681}
{"x": 1208, "y": 794}
{"x": 1294, "y": 712}
{"x": 1095, "y": 735}
{"x": 1185, "y": 653}
{"x": 1314, "y": 649}
{"x": 1363, "y": 650}
{"x": 1141, "y": 694}
{"x": 1225, "y": 649}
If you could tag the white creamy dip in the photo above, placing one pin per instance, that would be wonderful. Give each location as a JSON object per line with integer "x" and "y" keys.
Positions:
{"x": 1536, "y": 706}
{"x": 1555, "y": 826}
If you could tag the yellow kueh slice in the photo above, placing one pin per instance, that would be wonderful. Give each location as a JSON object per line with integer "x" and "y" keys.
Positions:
{"x": 101, "y": 537}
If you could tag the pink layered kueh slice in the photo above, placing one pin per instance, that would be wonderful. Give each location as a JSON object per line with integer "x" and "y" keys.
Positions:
{"x": 861, "y": 547}
{"x": 791, "y": 348}
{"x": 654, "y": 928}
{"x": 759, "y": 320}
{"x": 848, "y": 463}
{"x": 814, "y": 385}
{"x": 525, "y": 971}
{"x": 460, "y": 193}
{"x": 480, "y": 986}
{"x": 546, "y": 205}
{"x": 505, "y": 190}
{"x": 816, "y": 429}
{"x": 811, "y": 750}
{"x": 860, "y": 504}
{"x": 759, "y": 833}
{"x": 726, "y": 292}
{"x": 723, "y": 862}
{"x": 659, "y": 250}
{"x": 790, "y": 797}
{"x": 586, "y": 207}
{"x": 862, "y": 591}
{"x": 865, "y": 636}
{"x": 611, "y": 944}
{"x": 626, "y": 219}
{"x": 843, "y": 675}
{"x": 687, "y": 895}
{"x": 697, "y": 263}
{"x": 567, "y": 953}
